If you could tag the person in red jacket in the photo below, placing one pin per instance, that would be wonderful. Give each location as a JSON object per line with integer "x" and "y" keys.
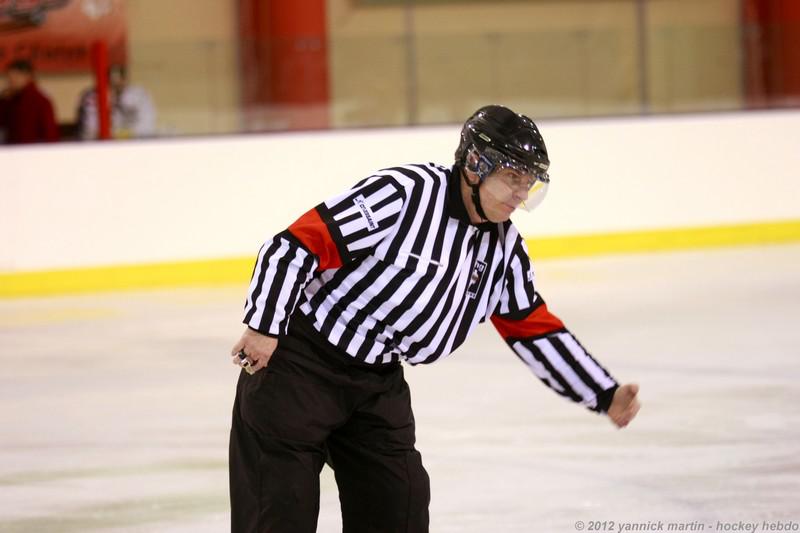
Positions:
{"x": 26, "y": 114}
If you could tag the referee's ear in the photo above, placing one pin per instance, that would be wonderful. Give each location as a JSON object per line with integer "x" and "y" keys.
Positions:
{"x": 472, "y": 178}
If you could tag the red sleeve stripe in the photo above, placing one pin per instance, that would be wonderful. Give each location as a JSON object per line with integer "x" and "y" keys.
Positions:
{"x": 539, "y": 322}
{"x": 316, "y": 237}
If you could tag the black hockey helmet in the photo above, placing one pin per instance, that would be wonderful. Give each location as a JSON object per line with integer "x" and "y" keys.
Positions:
{"x": 500, "y": 137}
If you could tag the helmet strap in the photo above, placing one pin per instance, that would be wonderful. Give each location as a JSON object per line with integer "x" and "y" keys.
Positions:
{"x": 476, "y": 196}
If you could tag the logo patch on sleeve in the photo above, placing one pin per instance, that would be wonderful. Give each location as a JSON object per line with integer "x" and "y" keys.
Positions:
{"x": 366, "y": 212}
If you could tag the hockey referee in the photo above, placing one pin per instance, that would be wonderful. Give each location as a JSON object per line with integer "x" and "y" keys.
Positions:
{"x": 402, "y": 267}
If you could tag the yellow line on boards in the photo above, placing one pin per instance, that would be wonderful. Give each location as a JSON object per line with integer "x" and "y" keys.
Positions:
{"x": 111, "y": 278}
{"x": 664, "y": 239}
{"x": 237, "y": 270}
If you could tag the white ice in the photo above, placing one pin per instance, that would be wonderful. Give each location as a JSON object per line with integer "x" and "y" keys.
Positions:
{"x": 114, "y": 408}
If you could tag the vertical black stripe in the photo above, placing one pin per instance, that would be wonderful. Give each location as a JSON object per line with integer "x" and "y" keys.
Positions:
{"x": 441, "y": 231}
{"x": 411, "y": 208}
{"x": 273, "y": 302}
{"x": 368, "y": 309}
{"x": 450, "y": 275}
{"x": 347, "y": 299}
{"x": 567, "y": 356}
{"x": 517, "y": 294}
{"x": 589, "y": 355}
{"x": 539, "y": 356}
{"x": 525, "y": 264}
{"x": 468, "y": 320}
{"x": 382, "y": 297}
{"x": 444, "y": 219}
{"x": 540, "y": 378}
{"x": 261, "y": 276}
{"x": 328, "y": 288}
{"x": 388, "y": 200}
{"x": 252, "y": 274}
{"x": 333, "y": 230}
{"x": 497, "y": 277}
{"x": 416, "y": 324}
{"x": 414, "y": 294}
{"x": 419, "y": 243}
{"x": 307, "y": 268}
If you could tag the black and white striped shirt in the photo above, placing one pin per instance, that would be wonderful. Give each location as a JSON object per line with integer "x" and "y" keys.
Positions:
{"x": 393, "y": 270}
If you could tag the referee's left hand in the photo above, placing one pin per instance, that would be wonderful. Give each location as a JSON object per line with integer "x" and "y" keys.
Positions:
{"x": 624, "y": 405}
{"x": 256, "y": 346}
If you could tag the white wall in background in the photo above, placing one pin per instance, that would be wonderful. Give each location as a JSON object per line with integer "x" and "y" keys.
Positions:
{"x": 135, "y": 202}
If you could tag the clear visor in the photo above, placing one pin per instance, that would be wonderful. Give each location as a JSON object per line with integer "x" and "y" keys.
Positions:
{"x": 511, "y": 187}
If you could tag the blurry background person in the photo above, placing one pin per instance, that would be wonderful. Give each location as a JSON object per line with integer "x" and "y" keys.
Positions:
{"x": 132, "y": 111}
{"x": 26, "y": 114}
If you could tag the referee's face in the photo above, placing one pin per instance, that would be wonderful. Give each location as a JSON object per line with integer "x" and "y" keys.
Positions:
{"x": 499, "y": 194}
{"x": 502, "y": 192}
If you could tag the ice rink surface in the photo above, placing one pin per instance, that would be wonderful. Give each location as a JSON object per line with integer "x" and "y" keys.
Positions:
{"x": 114, "y": 408}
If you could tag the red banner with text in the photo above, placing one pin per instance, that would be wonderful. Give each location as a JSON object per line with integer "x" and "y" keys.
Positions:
{"x": 57, "y": 35}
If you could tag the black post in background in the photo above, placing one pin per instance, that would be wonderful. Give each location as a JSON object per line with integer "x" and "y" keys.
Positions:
{"x": 411, "y": 65}
{"x": 644, "y": 82}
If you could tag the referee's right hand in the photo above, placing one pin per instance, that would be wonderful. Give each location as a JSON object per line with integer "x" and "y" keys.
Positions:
{"x": 624, "y": 405}
{"x": 257, "y": 347}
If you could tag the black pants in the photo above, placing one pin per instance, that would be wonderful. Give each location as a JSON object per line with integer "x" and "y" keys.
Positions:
{"x": 312, "y": 400}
